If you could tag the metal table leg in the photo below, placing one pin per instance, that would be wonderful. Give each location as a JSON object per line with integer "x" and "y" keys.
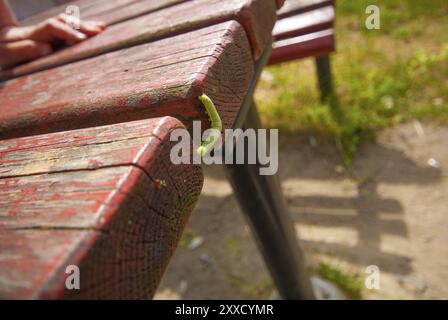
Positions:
{"x": 325, "y": 81}
{"x": 262, "y": 202}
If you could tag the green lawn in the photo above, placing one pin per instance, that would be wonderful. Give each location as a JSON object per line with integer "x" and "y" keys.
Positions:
{"x": 382, "y": 77}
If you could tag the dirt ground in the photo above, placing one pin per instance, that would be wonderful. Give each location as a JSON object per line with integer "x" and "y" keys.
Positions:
{"x": 390, "y": 209}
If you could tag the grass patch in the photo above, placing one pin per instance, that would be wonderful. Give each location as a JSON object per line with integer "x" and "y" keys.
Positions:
{"x": 250, "y": 288}
{"x": 382, "y": 77}
{"x": 350, "y": 284}
{"x": 235, "y": 247}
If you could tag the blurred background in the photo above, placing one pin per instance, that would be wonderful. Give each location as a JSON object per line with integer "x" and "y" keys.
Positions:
{"x": 366, "y": 188}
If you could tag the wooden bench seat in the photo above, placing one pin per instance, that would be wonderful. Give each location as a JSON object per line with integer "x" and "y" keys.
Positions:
{"x": 111, "y": 12}
{"x": 304, "y": 29}
{"x": 315, "y": 44}
{"x": 294, "y": 7}
{"x": 106, "y": 199}
{"x": 256, "y": 16}
{"x": 305, "y": 23}
{"x": 155, "y": 79}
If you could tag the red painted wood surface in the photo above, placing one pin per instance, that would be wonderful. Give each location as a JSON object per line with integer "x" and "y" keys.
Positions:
{"x": 316, "y": 44}
{"x": 280, "y": 3}
{"x": 294, "y": 7}
{"x": 105, "y": 10}
{"x": 305, "y": 23}
{"x": 304, "y": 29}
{"x": 106, "y": 199}
{"x": 156, "y": 79}
{"x": 256, "y": 16}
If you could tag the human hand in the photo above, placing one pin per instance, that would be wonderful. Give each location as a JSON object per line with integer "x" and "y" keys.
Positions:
{"x": 19, "y": 44}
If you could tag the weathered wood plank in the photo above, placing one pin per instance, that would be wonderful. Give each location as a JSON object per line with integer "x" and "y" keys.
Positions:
{"x": 26, "y": 8}
{"x": 305, "y": 23}
{"x": 117, "y": 214}
{"x": 108, "y": 11}
{"x": 294, "y": 7}
{"x": 156, "y": 79}
{"x": 256, "y": 16}
{"x": 311, "y": 45}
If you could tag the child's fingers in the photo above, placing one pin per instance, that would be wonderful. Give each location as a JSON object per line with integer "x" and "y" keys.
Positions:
{"x": 54, "y": 29}
{"x": 60, "y": 28}
{"x": 92, "y": 28}
{"x": 89, "y": 28}
{"x": 12, "y": 33}
{"x": 13, "y": 53}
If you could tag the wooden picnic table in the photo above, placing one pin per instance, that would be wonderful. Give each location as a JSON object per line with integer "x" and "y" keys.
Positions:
{"x": 85, "y": 171}
{"x": 106, "y": 199}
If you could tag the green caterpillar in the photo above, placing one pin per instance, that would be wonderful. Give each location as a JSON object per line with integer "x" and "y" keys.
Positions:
{"x": 215, "y": 125}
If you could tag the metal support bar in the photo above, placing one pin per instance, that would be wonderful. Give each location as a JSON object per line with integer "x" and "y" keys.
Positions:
{"x": 323, "y": 67}
{"x": 262, "y": 202}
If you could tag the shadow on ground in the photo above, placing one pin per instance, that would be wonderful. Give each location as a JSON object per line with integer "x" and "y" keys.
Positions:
{"x": 386, "y": 210}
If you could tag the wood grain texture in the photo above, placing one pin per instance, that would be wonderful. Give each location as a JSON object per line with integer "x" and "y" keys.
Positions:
{"x": 305, "y": 23}
{"x": 256, "y": 16}
{"x": 294, "y": 7}
{"x": 107, "y": 199}
{"x": 312, "y": 45}
{"x": 156, "y": 79}
{"x": 109, "y": 11}
{"x": 26, "y": 8}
